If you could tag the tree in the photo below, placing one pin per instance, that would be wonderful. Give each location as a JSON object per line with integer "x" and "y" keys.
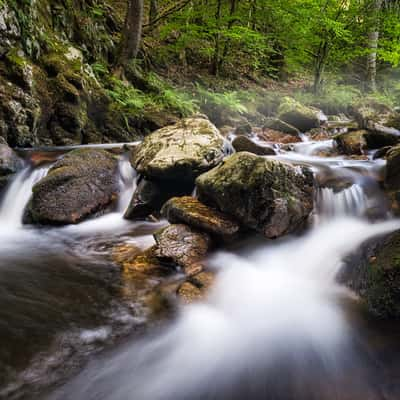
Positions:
{"x": 132, "y": 33}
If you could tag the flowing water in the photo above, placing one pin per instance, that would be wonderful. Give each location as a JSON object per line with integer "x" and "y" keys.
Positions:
{"x": 276, "y": 325}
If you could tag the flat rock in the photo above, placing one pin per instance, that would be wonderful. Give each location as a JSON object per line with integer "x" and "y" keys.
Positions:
{"x": 192, "y": 212}
{"x": 243, "y": 143}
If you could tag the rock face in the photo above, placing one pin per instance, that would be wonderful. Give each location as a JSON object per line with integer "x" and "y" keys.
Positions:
{"x": 10, "y": 163}
{"x": 353, "y": 142}
{"x": 302, "y": 117}
{"x": 180, "y": 152}
{"x": 80, "y": 184}
{"x": 265, "y": 195}
{"x": 243, "y": 143}
{"x": 182, "y": 245}
{"x": 192, "y": 212}
{"x": 392, "y": 175}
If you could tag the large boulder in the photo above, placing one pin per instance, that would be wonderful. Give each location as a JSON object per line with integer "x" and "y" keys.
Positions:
{"x": 181, "y": 151}
{"x": 82, "y": 183}
{"x": 265, "y": 195}
{"x": 192, "y": 212}
{"x": 296, "y": 114}
{"x": 243, "y": 143}
{"x": 353, "y": 142}
{"x": 392, "y": 175}
{"x": 281, "y": 126}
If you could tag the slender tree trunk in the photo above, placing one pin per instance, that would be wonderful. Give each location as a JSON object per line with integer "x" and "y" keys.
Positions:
{"x": 320, "y": 66}
{"x": 217, "y": 49}
{"x": 232, "y": 12}
{"x": 153, "y": 12}
{"x": 372, "y": 44}
{"x": 132, "y": 33}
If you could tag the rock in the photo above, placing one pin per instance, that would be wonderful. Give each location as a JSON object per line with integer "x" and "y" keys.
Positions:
{"x": 180, "y": 152}
{"x": 144, "y": 262}
{"x": 392, "y": 175}
{"x": 82, "y": 183}
{"x": 192, "y": 212}
{"x": 149, "y": 197}
{"x": 380, "y": 136}
{"x": 265, "y": 195}
{"x": 352, "y": 142}
{"x": 196, "y": 287}
{"x": 281, "y": 126}
{"x": 302, "y": 117}
{"x": 377, "y": 276}
{"x": 10, "y": 163}
{"x": 272, "y": 136}
{"x": 381, "y": 153}
{"x": 244, "y": 129}
{"x": 243, "y": 143}
{"x": 183, "y": 246}
{"x": 369, "y": 112}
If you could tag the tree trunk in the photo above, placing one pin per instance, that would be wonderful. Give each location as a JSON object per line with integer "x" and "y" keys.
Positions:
{"x": 153, "y": 11}
{"x": 372, "y": 44}
{"x": 215, "y": 62}
{"x": 320, "y": 66}
{"x": 132, "y": 33}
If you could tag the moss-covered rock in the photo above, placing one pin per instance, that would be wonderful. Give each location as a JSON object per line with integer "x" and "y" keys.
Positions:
{"x": 192, "y": 212}
{"x": 80, "y": 184}
{"x": 353, "y": 142}
{"x": 180, "y": 152}
{"x": 278, "y": 125}
{"x": 296, "y": 114}
{"x": 243, "y": 143}
{"x": 265, "y": 195}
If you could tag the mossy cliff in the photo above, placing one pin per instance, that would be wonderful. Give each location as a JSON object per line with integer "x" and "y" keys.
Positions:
{"x": 56, "y": 81}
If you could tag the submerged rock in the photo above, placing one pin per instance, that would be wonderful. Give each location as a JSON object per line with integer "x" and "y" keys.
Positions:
{"x": 296, "y": 114}
{"x": 180, "y": 152}
{"x": 196, "y": 287}
{"x": 181, "y": 245}
{"x": 243, "y": 143}
{"x": 353, "y": 142}
{"x": 265, "y": 195}
{"x": 82, "y": 183}
{"x": 192, "y": 212}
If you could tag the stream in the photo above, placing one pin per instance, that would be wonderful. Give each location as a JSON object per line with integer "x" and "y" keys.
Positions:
{"x": 277, "y": 325}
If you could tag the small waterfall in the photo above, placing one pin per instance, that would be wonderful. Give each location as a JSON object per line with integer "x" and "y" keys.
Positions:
{"x": 351, "y": 201}
{"x": 17, "y": 196}
{"x": 127, "y": 182}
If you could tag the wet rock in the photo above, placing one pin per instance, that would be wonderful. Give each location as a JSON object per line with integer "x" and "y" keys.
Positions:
{"x": 82, "y": 183}
{"x": 302, "y": 117}
{"x": 382, "y": 152}
{"x": 243, "y": 143}
{"x": 353, "y": 142}
{"x": 10, "y": 164}
{"x": 180, "y": 152}
{"x": 269, "y": 135}
{"x": 196, "y": 287}
{"x": 281, "y": 126}
{"x": 380, "y": 136}
{"x": 181, "y": 245}
{"x": 265, "y": 195}
{"x": 192, "y": 212}
{"x": 150, "y": 195}
{"x": 392, "y": 175}
{"x": 144, "y": 262}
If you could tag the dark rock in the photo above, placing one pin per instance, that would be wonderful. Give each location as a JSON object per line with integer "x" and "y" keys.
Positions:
{"x": 151, "y": 195}
{"x": 380, "y": 136}
{"x": 382, "y": 152}
{"x": 392, "y": 175}
{"x": 302, "y": 117}
{"x": 181, "y": 151}
{"x": 181, "y": 245}
{"x": 265, "y": 195}
{"x": 192, "y": 212}
{"x": 281, "y": 126}
{"x": 243, "y": 143}
{"x": 352, "y": 142}
{"x": 80, "y": 184}
{"x": 244, "y": 129}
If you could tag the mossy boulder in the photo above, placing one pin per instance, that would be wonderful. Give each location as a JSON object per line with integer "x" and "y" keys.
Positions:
{"x": 181, "y": 151}
{"x": 278, "y": 125}
{"x": 82, "y": 183}
{"x": 353, "y": 142}
{"x": 264, "y": 195}
{"x": 392, "y": 174}
{"x": 192, "y": 212}
{"x": 243, "y": 143}
{"x": 296, "y": 114}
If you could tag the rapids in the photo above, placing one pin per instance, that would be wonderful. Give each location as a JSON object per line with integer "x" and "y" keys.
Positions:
{"x": 277, "y": 324}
